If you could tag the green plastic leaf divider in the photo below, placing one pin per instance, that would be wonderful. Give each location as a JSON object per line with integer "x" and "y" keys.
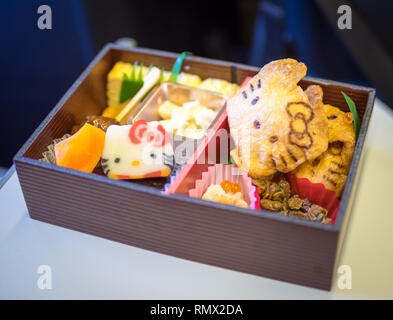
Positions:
{"x": 131, "y": 83}
{"x": 177, "y": 66}
{"x": 126, "y": 87}
{"x": 355, "y": 115}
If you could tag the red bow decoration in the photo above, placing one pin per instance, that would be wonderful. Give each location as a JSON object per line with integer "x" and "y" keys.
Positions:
{"x": 140, "y": 131}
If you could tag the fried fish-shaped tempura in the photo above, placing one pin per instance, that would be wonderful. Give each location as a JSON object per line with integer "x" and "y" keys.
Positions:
{"x": 273, "y": 124}
{"x": 331, "y": 168}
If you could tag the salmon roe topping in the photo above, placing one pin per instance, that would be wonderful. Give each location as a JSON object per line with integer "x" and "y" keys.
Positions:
{"x": 230, "y": 187}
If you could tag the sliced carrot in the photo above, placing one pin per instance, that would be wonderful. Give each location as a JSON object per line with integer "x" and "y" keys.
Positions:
{"x": 81, "y": 151}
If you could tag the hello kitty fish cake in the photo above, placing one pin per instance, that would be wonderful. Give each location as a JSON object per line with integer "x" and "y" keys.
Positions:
{"x": 138, "y": 151}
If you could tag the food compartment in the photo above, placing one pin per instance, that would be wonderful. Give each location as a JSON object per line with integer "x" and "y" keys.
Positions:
{"x": 216, "y": 149}
{"x": 196, "y": 111}
{"x": 177, "y": 94}
{"x": 91, "y": 93}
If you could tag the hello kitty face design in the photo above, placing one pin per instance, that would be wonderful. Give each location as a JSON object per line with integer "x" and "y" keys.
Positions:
{"x": 300, "y": 113}
{"x": 138, "y": 151}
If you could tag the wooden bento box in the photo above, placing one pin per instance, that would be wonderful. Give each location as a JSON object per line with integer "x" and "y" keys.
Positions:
{"x": 255, "y": 242}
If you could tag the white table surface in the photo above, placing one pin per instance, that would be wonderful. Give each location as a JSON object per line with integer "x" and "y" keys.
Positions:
{"x": 89, "y": 267}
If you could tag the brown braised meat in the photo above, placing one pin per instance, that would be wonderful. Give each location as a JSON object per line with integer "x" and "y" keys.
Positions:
{"x": 276, "y": 196}
{"x": 98, "y": 121}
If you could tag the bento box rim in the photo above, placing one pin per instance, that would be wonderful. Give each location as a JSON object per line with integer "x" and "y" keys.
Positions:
{"x": 19, "y": 157}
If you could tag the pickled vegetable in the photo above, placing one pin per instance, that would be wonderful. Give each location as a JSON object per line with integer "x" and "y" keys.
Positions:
{"x": 81, "y": 151}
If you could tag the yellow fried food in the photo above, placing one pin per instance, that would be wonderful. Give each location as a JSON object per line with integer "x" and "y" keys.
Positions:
{"x": 113, "y": 111}
{"x": 191, "y": 80}
{"x": 272, "y": 122}
{"x": 220, "y": 86}
{"x": 331, "y": 168}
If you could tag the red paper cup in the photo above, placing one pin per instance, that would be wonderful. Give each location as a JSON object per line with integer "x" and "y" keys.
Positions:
{"x": 316, "y": 193}
{"x": 221, "y": 172}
